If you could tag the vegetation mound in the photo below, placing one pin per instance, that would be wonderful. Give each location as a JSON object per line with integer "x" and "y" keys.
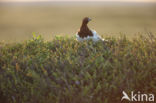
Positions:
{"x": 66, "y": 71}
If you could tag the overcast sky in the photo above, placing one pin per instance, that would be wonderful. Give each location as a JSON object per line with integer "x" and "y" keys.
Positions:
{"x": 77, "y": 0}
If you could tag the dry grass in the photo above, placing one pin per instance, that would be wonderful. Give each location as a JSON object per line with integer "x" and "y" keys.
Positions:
{"x": 18, "y": 21}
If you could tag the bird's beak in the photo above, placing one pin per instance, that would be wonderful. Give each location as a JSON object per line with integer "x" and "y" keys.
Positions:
{"x": 89, "y": 19}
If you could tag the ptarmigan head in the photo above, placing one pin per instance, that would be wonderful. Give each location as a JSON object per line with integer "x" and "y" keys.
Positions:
{"x": 85, "y": 33}
{"x": 86, "y": 20}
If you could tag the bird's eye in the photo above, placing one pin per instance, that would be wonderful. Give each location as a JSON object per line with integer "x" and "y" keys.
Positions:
{"x": 89, "y": 19}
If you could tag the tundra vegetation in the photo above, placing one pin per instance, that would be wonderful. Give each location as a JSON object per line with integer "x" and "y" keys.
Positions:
{"x": 66, "y": 71}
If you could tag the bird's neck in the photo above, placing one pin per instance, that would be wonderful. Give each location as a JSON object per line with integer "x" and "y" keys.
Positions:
{"x": 84, "y": 26}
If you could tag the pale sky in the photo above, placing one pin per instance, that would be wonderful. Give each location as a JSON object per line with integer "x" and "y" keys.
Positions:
{"x": 76, "y": 0}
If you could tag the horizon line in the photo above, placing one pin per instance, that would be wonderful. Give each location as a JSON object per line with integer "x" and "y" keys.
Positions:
{"x": 141, "y": 1}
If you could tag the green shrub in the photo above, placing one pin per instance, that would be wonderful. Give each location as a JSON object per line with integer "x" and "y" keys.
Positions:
{"x": 66, "y": 71}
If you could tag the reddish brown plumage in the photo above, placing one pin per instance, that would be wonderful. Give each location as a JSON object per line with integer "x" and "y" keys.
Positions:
{"x": 84, "y": 30}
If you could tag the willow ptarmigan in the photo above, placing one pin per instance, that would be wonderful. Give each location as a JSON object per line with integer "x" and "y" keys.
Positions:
{"x": 85, "y": 33}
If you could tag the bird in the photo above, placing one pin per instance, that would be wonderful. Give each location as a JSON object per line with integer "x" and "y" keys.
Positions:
{"x": 85, "y": 33}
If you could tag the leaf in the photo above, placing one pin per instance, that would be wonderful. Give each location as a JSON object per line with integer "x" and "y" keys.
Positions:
{"x": 17, "y": 67}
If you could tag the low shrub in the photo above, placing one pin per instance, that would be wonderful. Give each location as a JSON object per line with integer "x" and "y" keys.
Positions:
{"x": 66, "y": 71}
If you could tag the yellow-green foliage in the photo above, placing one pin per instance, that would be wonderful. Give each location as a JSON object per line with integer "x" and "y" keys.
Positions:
{"x": 67, "y": 71}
